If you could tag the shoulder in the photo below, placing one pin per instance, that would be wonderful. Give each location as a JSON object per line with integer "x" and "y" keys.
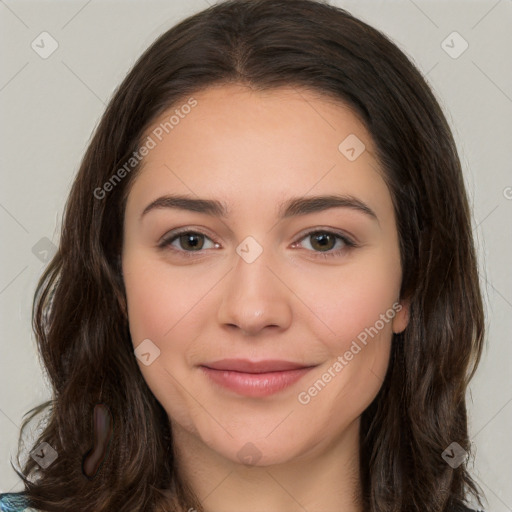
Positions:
{"x": 13, "y": 502}
{"x": 16, "y": 502}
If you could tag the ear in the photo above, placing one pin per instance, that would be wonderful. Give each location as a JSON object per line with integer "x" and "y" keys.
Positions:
{"x": 401, "y": 319}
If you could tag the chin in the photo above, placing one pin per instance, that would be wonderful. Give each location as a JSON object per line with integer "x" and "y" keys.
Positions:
{"x": 252, "y": 451}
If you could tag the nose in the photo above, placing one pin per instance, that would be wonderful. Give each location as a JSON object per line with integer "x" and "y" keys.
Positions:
{"x": 255, "y": 297}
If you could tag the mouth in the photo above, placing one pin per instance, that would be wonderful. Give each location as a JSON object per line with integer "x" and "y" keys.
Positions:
{"x": 254, "y": 378}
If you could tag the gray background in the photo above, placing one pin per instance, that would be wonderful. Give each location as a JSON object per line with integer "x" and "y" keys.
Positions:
{"x": 49, "y": 108}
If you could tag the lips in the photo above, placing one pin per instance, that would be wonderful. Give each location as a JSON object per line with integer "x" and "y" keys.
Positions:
{"x": 246, "y": 366}
{"x": 254, "y": 378}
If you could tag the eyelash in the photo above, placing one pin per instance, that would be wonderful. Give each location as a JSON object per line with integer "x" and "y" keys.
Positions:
{"x": 349, "y": 244}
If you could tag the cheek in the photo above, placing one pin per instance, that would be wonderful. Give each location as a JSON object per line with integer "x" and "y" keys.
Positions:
{"x": 358, "y": 310}
{"x": 352, "y": 299}
{"x": 148, "y": 317}
{"x": 158, "y": 299}
{"x": 157, "y": 309}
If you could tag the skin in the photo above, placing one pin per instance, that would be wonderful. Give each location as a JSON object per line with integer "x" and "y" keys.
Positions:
{"x": 253, "y": 150}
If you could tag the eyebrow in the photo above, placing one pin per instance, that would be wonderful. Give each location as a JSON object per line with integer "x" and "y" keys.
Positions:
{"x": 292, "y": 207}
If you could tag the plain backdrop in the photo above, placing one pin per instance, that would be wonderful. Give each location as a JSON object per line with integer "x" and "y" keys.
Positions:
{"x": 50, "y": 106}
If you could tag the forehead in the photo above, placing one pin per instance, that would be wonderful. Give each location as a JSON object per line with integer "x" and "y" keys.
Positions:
{"x": 240, "y": 144}
{"x": 242, "y": 114}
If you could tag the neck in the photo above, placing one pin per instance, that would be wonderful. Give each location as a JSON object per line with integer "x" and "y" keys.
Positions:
{"x": 324, "y": 479}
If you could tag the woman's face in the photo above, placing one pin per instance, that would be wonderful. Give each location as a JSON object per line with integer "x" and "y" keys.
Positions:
{"x": 273, "y": 281}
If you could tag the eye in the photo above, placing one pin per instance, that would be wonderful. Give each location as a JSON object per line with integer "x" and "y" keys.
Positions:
{"x": 323, "y": 241}
{"x": 190, "y": 241}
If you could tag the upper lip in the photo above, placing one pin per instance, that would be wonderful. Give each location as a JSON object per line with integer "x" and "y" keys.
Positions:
{"x": 247, "y": 366}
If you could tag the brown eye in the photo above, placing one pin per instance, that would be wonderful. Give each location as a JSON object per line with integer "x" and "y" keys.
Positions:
{"x": 185, "y": 241}
{"x": 323, "y": 243}
{"x": 194, "y": 241}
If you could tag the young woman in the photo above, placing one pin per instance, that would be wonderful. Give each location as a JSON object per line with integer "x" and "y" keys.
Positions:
{"x": 311, "y": 348}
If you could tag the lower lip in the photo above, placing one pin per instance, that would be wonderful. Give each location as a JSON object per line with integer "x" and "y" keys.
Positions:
{"x": 255, "y": 384}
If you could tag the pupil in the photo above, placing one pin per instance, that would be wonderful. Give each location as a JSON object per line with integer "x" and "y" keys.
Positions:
{"x": 190, "y": 240}
{"x": 324, "y": 239}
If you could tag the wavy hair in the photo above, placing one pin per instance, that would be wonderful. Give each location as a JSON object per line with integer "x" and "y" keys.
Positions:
{"x": 79, "y": 309}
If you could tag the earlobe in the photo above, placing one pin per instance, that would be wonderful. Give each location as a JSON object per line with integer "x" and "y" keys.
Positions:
{"x": 401, "y": 319}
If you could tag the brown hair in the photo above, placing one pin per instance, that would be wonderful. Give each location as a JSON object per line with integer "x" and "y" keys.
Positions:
{"x": 79, "y": 310}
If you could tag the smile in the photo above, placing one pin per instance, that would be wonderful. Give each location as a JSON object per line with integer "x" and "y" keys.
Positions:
{"x": 254, "y": 379}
